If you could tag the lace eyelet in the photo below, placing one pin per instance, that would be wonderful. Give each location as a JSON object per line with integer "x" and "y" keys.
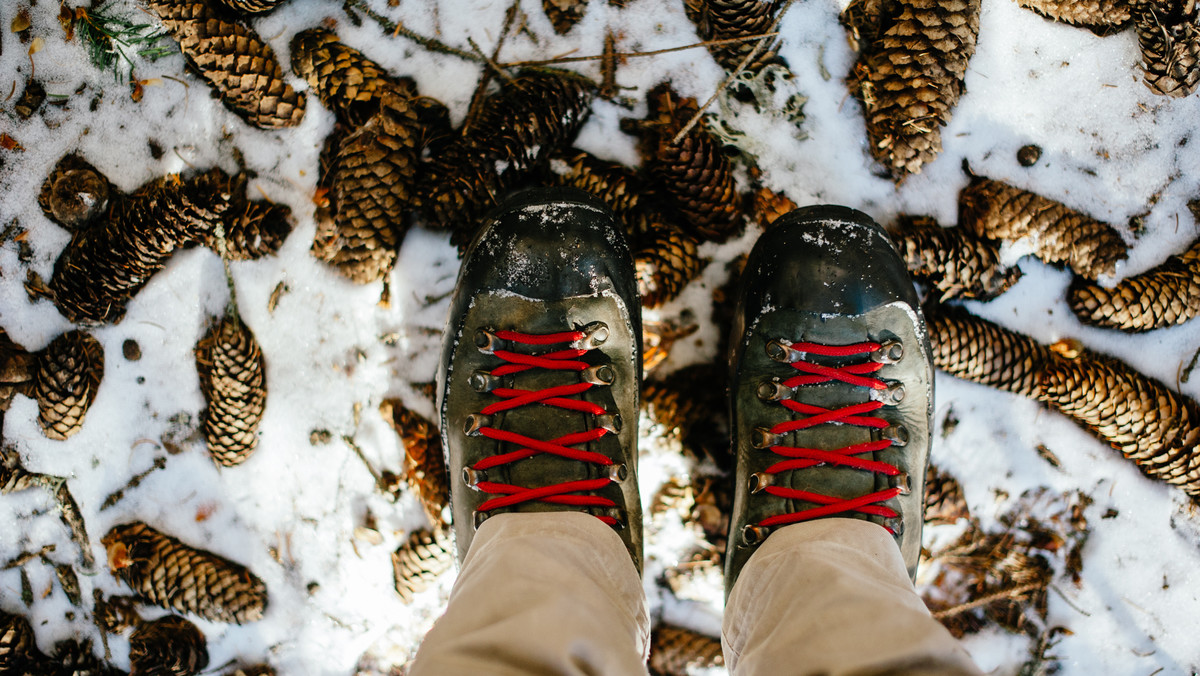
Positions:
{"x": 600, "y": 374}
{"x": 488, "y": 342}
{"x": 752, "y": 535}
{"x": 476, "y": 422}
{"x": 759, "y": 481}
{"x": 773, "y": 390}
{"x": 889, "y": 352}
{"x": 594, "y": 335}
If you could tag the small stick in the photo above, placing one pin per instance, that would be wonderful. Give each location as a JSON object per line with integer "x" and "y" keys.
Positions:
{"x": 750, "y": 56}
{"x": 989, "y": 599}
{"x": 358, "y": 451}
{"x": 27, "y": 557}
{"x": 486, "y": 76}
{"x": 398, "y": 29}
{"x": 631, "y": 55}
{"x": 119, "y": 494}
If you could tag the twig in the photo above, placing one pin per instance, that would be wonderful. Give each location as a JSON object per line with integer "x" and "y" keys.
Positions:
{"x": 486, "y": 76}
{"x": 764, "y": 39}
{"x": 633, "y": 55}
{"x": 119, "y": 494}
{"x": 27, "y": 557}
{"x": 490, "y": 61}
{"x": 358, "y": 451}
{"x": 398, "y": 29}
{"x": 988, "y": 600}
{"x": 72, "y": 517}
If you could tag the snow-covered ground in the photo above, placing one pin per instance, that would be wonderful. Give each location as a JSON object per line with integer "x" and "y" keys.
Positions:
{"x": 1110, "y": 148}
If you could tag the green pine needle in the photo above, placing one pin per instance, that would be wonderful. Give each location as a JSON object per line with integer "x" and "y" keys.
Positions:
{"x": 111, "y": 39}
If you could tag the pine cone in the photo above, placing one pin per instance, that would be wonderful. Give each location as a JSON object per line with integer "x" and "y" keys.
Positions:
{"x": 115, "y": 614}
{"x": 731, "y": 19}
{"x": 107, "y": 263}
{"x": 694, "y": 176}
{"x": 975, "y": 349}
{"x": 18, "y": 647}
{"x": 953, "y": 260}
{"x": 346, "y": 81}
{"x": 910, "y": 79}
{"x": 1139, "y": 416}
{"x": 690, "y": 405}
{"x": 1103, "y": 17}
{"x": 667, "y": 258}
{"x": 252, "y": 6}
{"x": 767, "y": 205}
{"x": 424, "y": 464}
{"x": 426, "y": 556}
{"x": 68, "y": 377}
{"x": 75, "y": 193}
{"x": 253, "y": 230}
{"x": 168, "y": 646}
{"x": 536, "y": 113}
{"x": 995, "y": 210}
{"x": 1165, "y": 296}
{"x": 564, "y": 14}
{"x": 1169, "y": 36}
{"x": 620, "y": 187}
{"x": 659, "y": 337}
{"x": 14, "y": 477}
{"x": 234, "y": 60}
{"x": 675, "y": 495}
{"x": 944, "y": 501}
{"x": 233, "y": 382}
{"x": 372, "y": 181}
{"x": 675, "y": 651}
{"x": 164, "y": 571}
{"x": 18, "y": 371}
{"x": 75, "y": 658}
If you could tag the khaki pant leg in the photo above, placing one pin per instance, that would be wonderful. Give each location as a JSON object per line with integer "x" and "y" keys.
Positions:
{"x": 552, "y": 594}
{"x": 832, "y": 597}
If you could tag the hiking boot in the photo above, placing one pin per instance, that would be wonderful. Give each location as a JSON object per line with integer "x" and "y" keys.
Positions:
{"x": 541, "y": 368}
{"x": 831, "y": 389}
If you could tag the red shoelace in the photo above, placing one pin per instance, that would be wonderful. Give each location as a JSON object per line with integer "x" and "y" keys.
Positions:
{"x": 557, "y": 396}
{"x": 801, "y": 458}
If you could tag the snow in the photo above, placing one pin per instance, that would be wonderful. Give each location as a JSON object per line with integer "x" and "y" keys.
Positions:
{"x": 333, "y": 352}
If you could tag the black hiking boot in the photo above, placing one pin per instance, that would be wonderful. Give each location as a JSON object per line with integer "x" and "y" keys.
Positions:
{"x": 831, "y": 389}
{"x": 541, "y": 368}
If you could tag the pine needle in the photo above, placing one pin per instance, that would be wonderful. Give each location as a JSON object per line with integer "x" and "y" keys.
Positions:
{"x": 113, "y": 41}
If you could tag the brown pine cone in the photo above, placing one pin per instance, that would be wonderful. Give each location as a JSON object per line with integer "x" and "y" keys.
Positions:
{"x": 75, "y": 193}
{"x": 1103, "y": 17}
{"x": 766, "y": 206}
{"x": 233, "y": 382}
{"x": 911, "y": 77}
{"x": 346, "y": 81}
{"x": 695, "y": 177}
{"x": 18, "y": 647}
{"x": 18, "y": 371}
{"x": 658, "y": 337}
{"x": 164, "y": 571}
{"x": 1169, "y": 34}
{"x": 253, "y": 230}
{"x": 675, "y": 651}
{"x": 372, "y": 181}
{"x": 68, "y": 377}
{"x": 115, "y": 614}
{"x": 675, "y": 495}
{"x": 168, "y": 646}
{"x": 14, "y": 477}
{"x": 690, "y": 405}
{"x": 666, "y": 259}
{"x": 1164, "y": 296}
{"x": 234, "y": 60}
{"x": 620, "y": 187}
{"x": 564, "y": 14}
{"x": 953, "y": 260}
{"x": 424, "y": 464}
{"x": 107, "y": 263}
{"x": 1145, "y": 420}
{"x": 252, "y": 6}
{"x": 426, "y": 556}
{"x": 1058, "y": 234}
{"x": 975, "y": 349}
{"x": 731, "y": 19}
{"x": 518, "y": 129}
{"x": 75, "y": 658}
{"x": 944, "y": 501}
